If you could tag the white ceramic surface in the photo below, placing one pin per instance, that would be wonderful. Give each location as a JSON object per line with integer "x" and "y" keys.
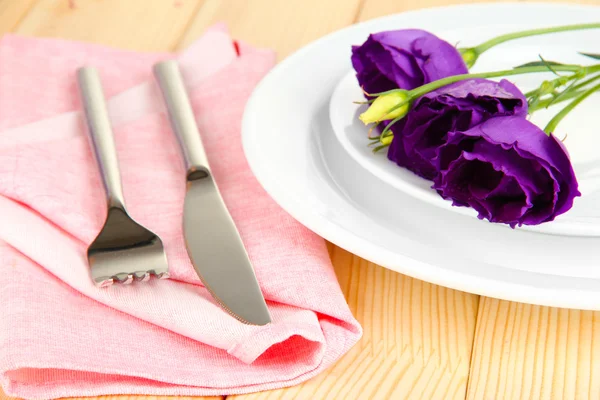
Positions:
{"x": 300, "y": 161}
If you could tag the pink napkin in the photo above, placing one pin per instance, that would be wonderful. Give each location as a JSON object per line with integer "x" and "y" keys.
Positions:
{"x": 61, "y": 336}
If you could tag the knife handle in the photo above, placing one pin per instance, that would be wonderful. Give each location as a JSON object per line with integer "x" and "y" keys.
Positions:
{"x": 182, "y": 118}
{"x": 100, "y": 133}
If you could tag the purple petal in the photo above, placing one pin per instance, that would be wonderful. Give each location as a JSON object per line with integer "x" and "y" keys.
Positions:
{"x": 405, "y": 59}
{"x": 456, "y": 107}
{"x": 440, "y": 58}
{"x": 538, "y": 182}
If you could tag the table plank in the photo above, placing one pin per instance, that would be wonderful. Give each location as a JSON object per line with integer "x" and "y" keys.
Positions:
{"x": 523, "y": 351}
{"x": 416, "y": 344}
{"x": 283, "y": 26}
{"x": 376, "y": 8}
{"x": 143, "y": 25}
{"x": 12, "y": 12}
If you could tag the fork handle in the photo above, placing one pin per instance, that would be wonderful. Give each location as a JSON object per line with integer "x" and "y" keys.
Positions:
{"x": 182, "y": 118}
{"x": 101, "y": 135}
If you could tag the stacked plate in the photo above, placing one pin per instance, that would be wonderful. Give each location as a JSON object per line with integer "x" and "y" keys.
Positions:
{"x": 307, "y": 148}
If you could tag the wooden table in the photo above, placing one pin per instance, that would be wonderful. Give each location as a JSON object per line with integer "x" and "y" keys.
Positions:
{"x": 420, "y": 340}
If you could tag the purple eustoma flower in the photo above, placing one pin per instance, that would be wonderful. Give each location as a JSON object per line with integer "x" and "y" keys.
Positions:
{"x": 404, "y": 59}
{"x": 508, "y": 170}
{"x": 456, "y": 107}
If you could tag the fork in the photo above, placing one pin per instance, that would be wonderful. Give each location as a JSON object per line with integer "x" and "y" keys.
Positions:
{"x": 124, "y": 250}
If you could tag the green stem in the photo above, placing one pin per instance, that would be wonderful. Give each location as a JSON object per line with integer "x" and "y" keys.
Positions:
{"x": 573, "y": 92}
{"x": 532, "y": 32}
{"x": 548, "y": 102}
{"x": 551, "y": 127}
{"x": 411, "y": 95}
{"x": 494, "y": 74}
{"x": 554, "y": 84}
{"x": 421, "y": 90}
{"x": 586, "y": 82}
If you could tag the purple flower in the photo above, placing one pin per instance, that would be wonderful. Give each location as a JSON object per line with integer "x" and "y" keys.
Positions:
{"x": 456, "y": 107}
{"x": 404, "y": 59}
{"x": 508, "y": 170}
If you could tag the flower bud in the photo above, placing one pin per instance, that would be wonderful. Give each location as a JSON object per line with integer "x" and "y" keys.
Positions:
{"x": 388, "y": 106}
{"x": 547, "y": 87}
{"x": 469, "y": 56}
{"x": 386, "y": 140}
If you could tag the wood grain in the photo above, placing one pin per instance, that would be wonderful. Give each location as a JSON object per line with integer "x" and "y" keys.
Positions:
{"x": 377, "y": 8}
{"x": 417, "y": 339}
{"x": 12, "y": 12}
{"x": 144, "y": 25}
{"x": 281, "y": 25}
{"x": 523, "y": 351}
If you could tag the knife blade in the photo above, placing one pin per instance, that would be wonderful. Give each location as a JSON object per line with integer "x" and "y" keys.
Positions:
{"x": 212, "y": 239}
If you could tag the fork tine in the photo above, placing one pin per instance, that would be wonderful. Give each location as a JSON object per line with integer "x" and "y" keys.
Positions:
{"x": 126, "y": 279}
{"x": 123, "y": 250}
{"x": 105, "y": 283}
{"x": 141, "y": 276}
{"x": 163, "y": 275}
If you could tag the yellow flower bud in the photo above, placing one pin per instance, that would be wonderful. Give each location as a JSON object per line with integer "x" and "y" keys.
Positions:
{"x": 388, "y": 106}
{"x": 469, "y": 56}
{"x": 547, "y": 87}
{"x": 386, "y": 140}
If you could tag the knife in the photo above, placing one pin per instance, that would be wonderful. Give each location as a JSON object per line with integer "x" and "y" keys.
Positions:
{"x": 212, "y": 239}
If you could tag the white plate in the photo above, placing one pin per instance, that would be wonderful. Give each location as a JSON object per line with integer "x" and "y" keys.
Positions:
{"x": 293, "y": 151}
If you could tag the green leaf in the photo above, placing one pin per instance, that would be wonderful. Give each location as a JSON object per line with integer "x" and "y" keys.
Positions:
{"x": 539, "y": 64}
{"x": 549, "y": 66}
{"x": 591, "y": 55}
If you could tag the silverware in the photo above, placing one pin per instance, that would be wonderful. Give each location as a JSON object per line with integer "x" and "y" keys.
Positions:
{"x": 123, "y": 251}
{"x": 212, "y": 240}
